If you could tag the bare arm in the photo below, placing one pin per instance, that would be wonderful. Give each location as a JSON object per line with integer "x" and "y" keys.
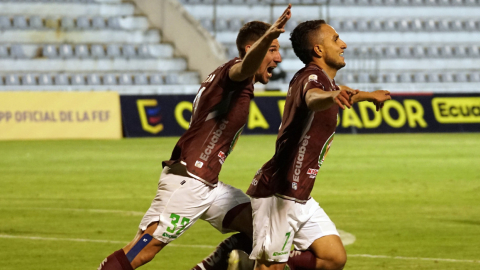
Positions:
{"x": 254, "y": 57}
{"x": 319, "y": 100}
{"x": 378, "y": 97}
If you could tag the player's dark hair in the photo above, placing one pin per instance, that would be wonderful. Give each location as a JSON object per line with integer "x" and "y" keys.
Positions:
{"x": 249, "y": 33}
{"x": 301, "y": 38}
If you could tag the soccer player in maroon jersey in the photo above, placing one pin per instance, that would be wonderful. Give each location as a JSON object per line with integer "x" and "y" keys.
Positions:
{"x": 189, "y": 188}
{"x": 283, "y": 211}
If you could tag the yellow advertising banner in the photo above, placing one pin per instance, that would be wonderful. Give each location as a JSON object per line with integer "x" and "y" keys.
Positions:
{"x": 60, "y": 115}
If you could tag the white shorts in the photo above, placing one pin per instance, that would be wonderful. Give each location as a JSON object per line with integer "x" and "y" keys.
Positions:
{"x": 180, "y": 201}
{"x": 279, "y": 223}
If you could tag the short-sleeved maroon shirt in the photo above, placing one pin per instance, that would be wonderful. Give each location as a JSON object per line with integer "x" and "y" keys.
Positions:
{"x": 220, "y": 111}
{"x": 302, "y": 142}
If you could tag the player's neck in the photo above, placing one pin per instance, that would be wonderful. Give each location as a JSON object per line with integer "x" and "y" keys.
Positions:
{"x": 331, "y": 72}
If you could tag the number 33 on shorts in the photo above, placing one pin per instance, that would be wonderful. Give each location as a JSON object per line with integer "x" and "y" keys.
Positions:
{"x": 175, "y": 219}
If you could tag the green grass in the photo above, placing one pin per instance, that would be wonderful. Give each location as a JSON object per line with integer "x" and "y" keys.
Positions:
{"x": 413, "y": 196}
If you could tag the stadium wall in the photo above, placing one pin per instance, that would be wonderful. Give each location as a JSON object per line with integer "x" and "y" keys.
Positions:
{"x": 203, "y": 52}
{"x": 169, "y": 115}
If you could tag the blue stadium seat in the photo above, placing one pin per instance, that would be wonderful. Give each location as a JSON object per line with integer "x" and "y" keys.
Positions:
{"x": 457, "y": 25}
{"x": 20, "y": 22}
{"x": 431, "y": 25}
{"x": 419, "y": 77}
{"x": 125, "y": 79}
{"x": 81, "y": 51}
{"x": 29, "y": 79}
{"x": 83, "y": 22}
{"x": 475, "y": 77}
{"x": 93, "y": 79}
{"x": 221, "y": 24}
{"x": 5, "y": 22}
{"x": 444, "y": 25}
{"x": 67, "y": 23}
{"x": 461, "y": 77}
{"x": 391, "y": 52}
{"x": 143, "y": 51}
{"x": 113, "y": 50}
{"x": 61, "y": 79}
{"x": 447, "y": 77}
{"x": 405, "y": 78}
{"x": 362, "y": 25}
{"x": 156, "y": 79}
{"x": 44, "y": 79}
{"x": 207, "y": 24}
{"x": 432, "y": 51}
{"x": 390, "y": 2}
{"x": 140, "y": 79}
{"x": 417, "y": 2}
{"x": 109, "y": 79}
{"x": 65, "y": 51}
{"x": 404, "y": 25}
{"x": 349, "y": 78}
{"x": 404, "y": 2}
{"x": 391, "y": 77}
{"x": 446, "y": 51}
{"x": 471, "y": 2}
{"x": 433, "y": 77}
{"x": 471, "y": 25}
{"x": 12, "y": 79}
{"x": 363, "y": 2}
{"x": 16, "y": 51}
{"x": 405, "y": 52}
{"x": 235, "y": 24}
{"x": 457, "y": 2}
{"x": 97, "y": 51}
{"x": 3, "y": 51}
{"x": 377, "y": 51}
{"x": 417, "y": 25}
{"x": 363, "y": 77}
{"x": 390, "y": 25}
{"x": 35, "y": 22}
{"x": 431, "y": 2}
{"x": 49, "y": 51}
{"x": 460, "y": 51}
{"x": 128, "y": 51}
{"x": 114, "y": 23}
{"x": 98, "y": 22}
{"x": 78, "y": 79}
{"x": 348, "y": 25}
{"x": 419, "y": 51}
{"x": 473, "y": 51}
{"x": 172, "y": 79}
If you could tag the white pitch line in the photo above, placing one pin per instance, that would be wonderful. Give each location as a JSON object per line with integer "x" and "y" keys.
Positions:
{"x": 91, "y": 241}
{"x": 411, "y": 258}
{"x": 211, "y": 247}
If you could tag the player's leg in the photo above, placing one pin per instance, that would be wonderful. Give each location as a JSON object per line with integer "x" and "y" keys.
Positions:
{"x": 180, "y": 201}
{"x": 231, "y": 211}
{"x": 275, "y": 225}
{"x": 320, "y": 236}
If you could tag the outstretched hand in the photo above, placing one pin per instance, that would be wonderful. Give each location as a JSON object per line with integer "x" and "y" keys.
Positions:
{"x": 342, "y": 98}
{"x": 279, "y": 26}
{"x": 379, "y": 97}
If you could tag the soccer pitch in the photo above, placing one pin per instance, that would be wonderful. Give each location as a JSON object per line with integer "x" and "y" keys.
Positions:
{"x": 412, "y": 201}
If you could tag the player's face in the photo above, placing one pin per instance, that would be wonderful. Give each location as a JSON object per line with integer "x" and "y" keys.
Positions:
{"x": 272, "y": 58}
{"x": 333, "y": 48}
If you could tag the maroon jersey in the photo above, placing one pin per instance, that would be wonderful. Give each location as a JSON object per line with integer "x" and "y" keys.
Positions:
{"x": 302, "y": 142}
{"x": 220, "y": 111}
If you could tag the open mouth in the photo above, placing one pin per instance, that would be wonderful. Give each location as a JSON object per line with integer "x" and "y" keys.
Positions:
{"x": 270, "y": 71}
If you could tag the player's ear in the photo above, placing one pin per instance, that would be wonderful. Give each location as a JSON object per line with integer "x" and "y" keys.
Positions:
{"x": 318, "y": 51}
{"x": 247, "y": 48}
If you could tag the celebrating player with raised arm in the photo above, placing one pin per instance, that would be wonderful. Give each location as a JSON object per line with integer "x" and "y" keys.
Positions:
{"x": 189, "y": 188}
{"x": 283, "y": 211}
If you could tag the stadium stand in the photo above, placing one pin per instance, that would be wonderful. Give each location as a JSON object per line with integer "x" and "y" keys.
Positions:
{"x": 399, "y": 45}
{"x": 87, "y": 45}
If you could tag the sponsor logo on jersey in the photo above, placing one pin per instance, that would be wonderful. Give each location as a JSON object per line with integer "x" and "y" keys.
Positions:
{"x": 213, "y": 141}
{"x": 198, "y": 164}
{"x": 150, "y": 117}
{"x": 312, "y": 172}
{"x": 313, "y": 77}
{"x": 294, "y": 186}
{"x": 169, "y": 236}
{"x": 222, "y": 157}
{"x": 280, "y": 253}
{"x": 299, "y": 159}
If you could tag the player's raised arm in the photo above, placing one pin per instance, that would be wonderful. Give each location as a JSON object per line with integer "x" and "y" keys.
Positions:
{"x": 255, "y": 54}
{"x": 319, "y": 100}
{"x": 378, "y": 97}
